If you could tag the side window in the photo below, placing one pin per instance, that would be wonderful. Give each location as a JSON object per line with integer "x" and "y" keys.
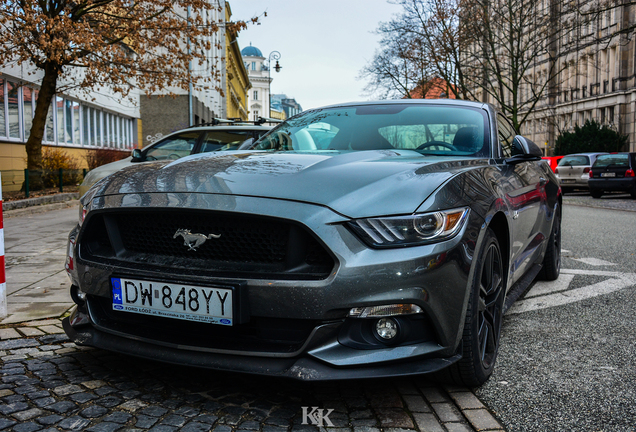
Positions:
{"x": 506, "y": 134}
{"x": 174, "y": 147}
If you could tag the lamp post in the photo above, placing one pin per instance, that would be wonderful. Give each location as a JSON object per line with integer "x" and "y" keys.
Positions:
{"x": 274, "y": 55}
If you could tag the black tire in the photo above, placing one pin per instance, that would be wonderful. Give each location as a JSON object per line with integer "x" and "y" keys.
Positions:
{"x": 482, "y": 328}
{"x": 596, "y": 193}
{"x": 633, "y": 192}
{"x": 565, "y": 190}
{"x": 552, "y": 259}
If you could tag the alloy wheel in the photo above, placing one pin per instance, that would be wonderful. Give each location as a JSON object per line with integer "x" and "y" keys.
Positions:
{"x": 491, "y": 295}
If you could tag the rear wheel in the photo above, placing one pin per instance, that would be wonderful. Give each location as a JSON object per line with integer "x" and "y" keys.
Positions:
{"x": 482, "y": 327}
{"x": 596, "y": 193}
{"x": 552, "y": 260}
{"x": 633, "y": 192}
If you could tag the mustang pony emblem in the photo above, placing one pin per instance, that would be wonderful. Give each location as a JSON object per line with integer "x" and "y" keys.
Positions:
{"x": 193, "y": 241}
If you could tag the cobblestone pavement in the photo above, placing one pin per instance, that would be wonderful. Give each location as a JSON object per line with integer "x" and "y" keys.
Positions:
{"x": 50, "y": 384}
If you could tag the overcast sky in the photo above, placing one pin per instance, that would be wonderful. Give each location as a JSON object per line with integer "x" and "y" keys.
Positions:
{"x": 323, "y": 44}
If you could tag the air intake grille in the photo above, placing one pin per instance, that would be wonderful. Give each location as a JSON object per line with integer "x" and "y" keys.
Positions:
{"x": 206, "y": 241}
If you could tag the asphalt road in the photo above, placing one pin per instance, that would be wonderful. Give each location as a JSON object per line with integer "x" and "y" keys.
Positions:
{"x": 567, "y": 354}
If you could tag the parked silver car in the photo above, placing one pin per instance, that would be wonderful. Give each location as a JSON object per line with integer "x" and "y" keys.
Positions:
{"x": 222, "y": 135}
{"x": 359, "y": 240}
{"x": 573, "y": 170}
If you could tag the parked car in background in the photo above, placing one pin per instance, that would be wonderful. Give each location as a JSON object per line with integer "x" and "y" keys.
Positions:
{"x": 613, "y": 173}
{"x": 220, "y": 135}
{"x": 552, "y": 161}
{"x": 573, "y": 170}
{"x": 360, "y": 240}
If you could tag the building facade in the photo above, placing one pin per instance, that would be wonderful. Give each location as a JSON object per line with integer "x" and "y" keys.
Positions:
{"x": 289, "y": 105}
{"x": 258, "y": 97}
{"x": 594, "y": 54}
{"x": 76, "y": 122}
{"x": 259, "y": 101}
{"x": 162, "y": 115}
{"x": 237, "y": 79}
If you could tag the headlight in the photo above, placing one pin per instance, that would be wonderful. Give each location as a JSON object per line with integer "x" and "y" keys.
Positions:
{"x": 410, "y": 230}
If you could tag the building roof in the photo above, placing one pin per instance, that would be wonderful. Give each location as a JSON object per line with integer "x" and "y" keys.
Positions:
{"x": 435, "y": 88}
{"x": 251, "y": 51}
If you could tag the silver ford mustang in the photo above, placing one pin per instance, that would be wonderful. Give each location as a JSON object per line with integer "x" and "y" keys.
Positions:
{"x": 358, "y": 240}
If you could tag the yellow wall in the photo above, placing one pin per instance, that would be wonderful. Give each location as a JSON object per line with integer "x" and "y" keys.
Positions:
{"x": 238, "y": 82}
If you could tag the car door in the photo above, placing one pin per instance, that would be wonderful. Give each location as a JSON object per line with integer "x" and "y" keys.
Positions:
{"x": 525, "y": 196}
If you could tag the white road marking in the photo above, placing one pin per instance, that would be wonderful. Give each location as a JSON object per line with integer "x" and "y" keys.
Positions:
{"x": 561, "y": 284}
{"x": 594, "y": 261}
{"x": 532, "y": 301}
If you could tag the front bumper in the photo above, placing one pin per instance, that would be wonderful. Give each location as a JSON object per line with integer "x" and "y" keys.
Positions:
{"x": 304, "y": 368}
{"x": 433, "y": 277}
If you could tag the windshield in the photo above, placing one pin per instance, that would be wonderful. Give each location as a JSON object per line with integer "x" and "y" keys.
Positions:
{"x": 226, "y": 140}
{"x": 578, "y": 160}
{"x": 428, "y": 129}
{"x": 616, "y": 160}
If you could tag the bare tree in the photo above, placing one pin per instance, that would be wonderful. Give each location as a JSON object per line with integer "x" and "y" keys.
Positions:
{"x": 122, "y": 44}
{"x": 502, "y": 51}
{"x": 401, "y": 64}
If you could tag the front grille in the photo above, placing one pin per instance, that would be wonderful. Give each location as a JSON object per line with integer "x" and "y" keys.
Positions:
{"x": 247, "y": 245}
{"x": 264, "y": 335}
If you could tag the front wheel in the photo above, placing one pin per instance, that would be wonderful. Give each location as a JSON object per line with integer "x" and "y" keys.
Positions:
{"x": 596, "y": 193}
{"x": 482, "y": 327}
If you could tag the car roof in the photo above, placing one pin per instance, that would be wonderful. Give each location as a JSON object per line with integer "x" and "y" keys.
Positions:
{"x": 226, "y": 127}
{"x": 415, "y": 102}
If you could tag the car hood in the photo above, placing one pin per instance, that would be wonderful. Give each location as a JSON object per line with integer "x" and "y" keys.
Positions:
{"x": 354, "y": 184}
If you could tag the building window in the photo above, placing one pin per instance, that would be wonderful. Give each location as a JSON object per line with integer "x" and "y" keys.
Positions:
{"x": 76, "y": 122}
{"x": 28, "y": 96}
{"x": 253, "y": 66}
{"x": 50, "y": 126}
{"x": 255, "y": 94}
{"x": 86, "y": 125}
{"x": 59, "y": 110}
{"x": 67, "y": 121}
{"x": 13, "y": 99}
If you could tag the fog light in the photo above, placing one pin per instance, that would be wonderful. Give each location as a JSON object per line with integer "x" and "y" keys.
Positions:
{"x": 386, "y": 328}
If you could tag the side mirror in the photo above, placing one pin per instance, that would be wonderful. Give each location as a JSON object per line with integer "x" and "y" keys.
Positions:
{"x": 137, "y": 156}
{"x": 522, "y": 145}
{"x": 524, "y": 150}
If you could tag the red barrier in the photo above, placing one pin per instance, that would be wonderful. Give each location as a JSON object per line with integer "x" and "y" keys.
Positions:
{"x": 3, "y": 284}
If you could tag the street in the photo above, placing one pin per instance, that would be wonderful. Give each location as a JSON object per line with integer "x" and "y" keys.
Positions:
{"x": 565, "y": 361}
{"x": 567, "y": 350}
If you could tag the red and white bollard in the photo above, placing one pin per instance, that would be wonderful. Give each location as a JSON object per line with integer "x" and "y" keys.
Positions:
{"x": 3, "y": 281}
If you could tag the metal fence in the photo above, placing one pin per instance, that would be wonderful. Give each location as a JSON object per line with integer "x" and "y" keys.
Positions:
{"x": 22, "y": 180}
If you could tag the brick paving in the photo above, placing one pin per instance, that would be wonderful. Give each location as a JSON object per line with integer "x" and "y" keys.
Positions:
{"x": 51, "y": 384}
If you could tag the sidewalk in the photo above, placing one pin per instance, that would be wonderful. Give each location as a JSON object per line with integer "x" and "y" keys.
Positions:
{"x": 35, "y": 251}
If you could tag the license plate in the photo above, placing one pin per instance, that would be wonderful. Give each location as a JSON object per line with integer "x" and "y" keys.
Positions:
{"x": 567, "y": 180}
{"x": 608, "y": 174}
{"x": 211, "y": 305}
